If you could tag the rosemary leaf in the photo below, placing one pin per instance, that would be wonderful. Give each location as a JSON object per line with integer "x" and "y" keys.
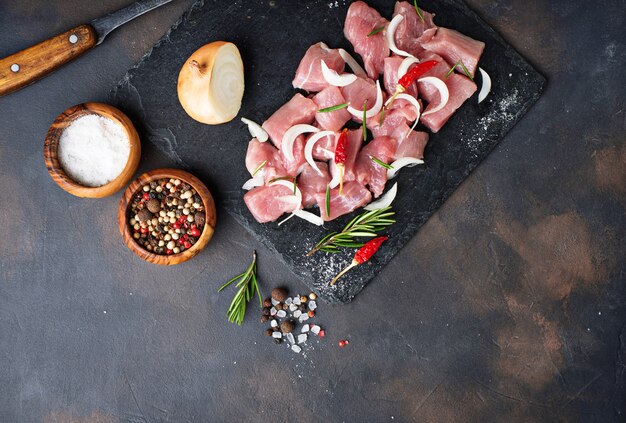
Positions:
{"x": 364, "y": 121}
{"x": 380, "y": 162}
{"x": 419, "y": 12}
{"x": 295, "y": 186}
{"x": 382, "y": 117}
{"x": 333, "y": 108}
{"x": 328, "y": 200}
{"x": 452, "y": 69}
{"x": 376, "y": 31}
{"x": 467, "y": 72}
{"x": 247, "y": 285}
{"x": 259, "y": 167}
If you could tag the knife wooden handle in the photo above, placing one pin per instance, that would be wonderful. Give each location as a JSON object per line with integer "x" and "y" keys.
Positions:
{"x": 27, "y": 66}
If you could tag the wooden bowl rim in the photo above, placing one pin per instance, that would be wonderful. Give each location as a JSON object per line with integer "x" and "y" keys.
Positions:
{"x": 124, "y": 225}
{"x": 51, "y": 145}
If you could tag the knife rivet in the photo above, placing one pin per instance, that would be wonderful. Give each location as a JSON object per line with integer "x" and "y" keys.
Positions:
{"x": 15, "y": 67}
{"x": 73, "y": 39}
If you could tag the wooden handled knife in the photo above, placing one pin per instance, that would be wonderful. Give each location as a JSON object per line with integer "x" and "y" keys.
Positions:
{"x": 27, "y": 66}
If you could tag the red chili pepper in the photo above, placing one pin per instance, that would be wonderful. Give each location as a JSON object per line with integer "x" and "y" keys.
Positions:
{"x": 363, "y": 254}
{"x": 416, "y": 72}
{"x": 340, "y": 156}
{"x": 343, "y": 343}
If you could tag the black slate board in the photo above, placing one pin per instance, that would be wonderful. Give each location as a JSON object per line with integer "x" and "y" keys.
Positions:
{"x": 272, "y": 37}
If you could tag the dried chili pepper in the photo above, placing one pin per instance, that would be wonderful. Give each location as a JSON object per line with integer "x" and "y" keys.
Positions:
{"x": 411, "y": 76}
{"x": 340, "y": 156}
{"x": 362, "y": 255}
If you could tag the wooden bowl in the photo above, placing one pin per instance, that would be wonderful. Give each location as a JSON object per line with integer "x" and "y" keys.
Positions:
{"x": 209, "y": 209}
{"x": 51, "y": 145}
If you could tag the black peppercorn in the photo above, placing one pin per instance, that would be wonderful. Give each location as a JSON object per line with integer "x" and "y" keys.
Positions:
{"x": 279, "y": 294}
{"x": 266, "y": 311}
{"x": 264, "y": 319}
{"x": 267, "y": 302}
{"x": 268, "y": 332}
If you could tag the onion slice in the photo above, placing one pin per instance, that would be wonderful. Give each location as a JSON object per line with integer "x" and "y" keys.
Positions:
{"x": 255, "y": 130}
{"x": 353, "y": 64}
{"x": 444, "y": 94}
{"x": 405, "y": 65}
{"x": 309, "y": 217}
{"x": 289, "y": 184}
{"x": 336, "y": 177}
{"x": 485, "y": 89}
{"x": 415, "y": 104}
{"x": 374, "y": 110}
{"x": 385, "y": 200}
{"x": 290, "y": 137}
{"x": 400, "y": 163}
{"x": 333, "y": 78}
{"x": 391, "y": 35}
{"x": 257, "y": 181}
{"x": 308, "y": 148}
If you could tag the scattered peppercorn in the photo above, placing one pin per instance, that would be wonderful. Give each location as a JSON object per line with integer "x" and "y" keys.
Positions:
{"x": 153, "y": 205}
{"x": 279, "y": 294}
{"x": 304, "y": 299}
{"x": 343, "y": 343}
{"x": 311, "y": 313}
{"x": 312, "y": 296}
{"x": 287, "y": 326}
{"x": 268, "y": 332}
{"x": 279, "y": 306}
{"x": 264, "y": 318}
{"x": 266, "y": 311}
{"x": 267, "y": 302}
{"x": 200, "y": 218}
{"x": 144, "y": 215}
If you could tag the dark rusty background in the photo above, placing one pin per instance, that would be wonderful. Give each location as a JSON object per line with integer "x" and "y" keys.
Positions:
{"x": 509, "y": 305}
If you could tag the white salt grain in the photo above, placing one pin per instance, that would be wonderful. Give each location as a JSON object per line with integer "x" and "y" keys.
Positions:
{"x": 296, "y": 300}
{"x": 296, "y": 348}
{"x": 293, "y": 307}
{"x": 312, "y": 305}
{"x": 288, "y": 301}
{"x": 272, "y": 311}
{"x": 297, "y": 313}
{"x": 305, "y": 328}
{"x": 93, "y": 150}
{"x": 303, "y": 317}
{"x": 274, "y": 324}
{"x": 302, "y": 338}
{"x": 277, "y": 335}
{"x": 290, "y": 338}
{"x": 315, "y": 329}
{"x": 281, "y": 313}
{"x": 274, "y": 302}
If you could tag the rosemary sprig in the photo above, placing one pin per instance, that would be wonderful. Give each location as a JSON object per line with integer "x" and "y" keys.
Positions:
{"x": 333, "y": 108}
{"x": 465, "y": 70}
{"x": 452, "y": 69}
{"x": 419, "y": 12}
{"x": 295, "y": 186}
{"x": 259, "y": 167}
{"x": 364, "y": 121}
{"x": 382, "y": 117}
{"x": 380, "y": 162}
{"x": 328, "y": 200}
{"x": 281, "y": 178}
{"x": 375, "y": 31}
{"x": 247, "y": 286}
{"x": 364, "y": 225}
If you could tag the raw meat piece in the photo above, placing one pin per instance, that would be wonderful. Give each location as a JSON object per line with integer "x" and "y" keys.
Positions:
{"x": 369, "y": 173}
{"x": 461, "y": 88}
{"x": 309, "y": 74}
{"x": 297, "y": 110}
{"x": 360, "y": 90}
{"x": 360, "y": 21}
{"x": 391, "y": 76}
{"x": 353, "y": 146}
{"x": 354, "y": 196}
{"x": 293, "y": 167}
{"x": 324, "y": 149}
{"x": 332, "y": 121}
{"x": 311, "y": 183}
{"x": 428, "y": 91}
{"x": 395, "y": 117}
{"x": 411, "y": 27}
{"x": 454, "y": 47}
{"x": 266, "y": 203}
{"x": 259, "y": 152}
{"x": 410, "y": 144}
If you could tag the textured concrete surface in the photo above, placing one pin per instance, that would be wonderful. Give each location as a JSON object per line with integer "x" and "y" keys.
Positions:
{"x": 509, "y": 304}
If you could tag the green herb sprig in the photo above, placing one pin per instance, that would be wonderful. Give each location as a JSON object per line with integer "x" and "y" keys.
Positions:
{"x": 365, "y": 225}
{"x": 259, "y": 167}
{"x": 380, "y": 162}
{"x": 333, "y": 108}
{"x": 328, "y": 200}
{"x": 247, "y": 286}
{"x": 419, "y": 12}
{"x": 365, "y": 121}
{"x": 375, "y": 31}
{"x": 465, "y": 70}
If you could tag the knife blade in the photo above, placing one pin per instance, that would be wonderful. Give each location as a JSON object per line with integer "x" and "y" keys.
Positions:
{"x": 27, "y": 66}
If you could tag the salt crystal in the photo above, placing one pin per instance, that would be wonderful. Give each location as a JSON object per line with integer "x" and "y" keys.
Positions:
{"x": 312, "y": 305}
{"x": 296, "y": 300}
{"x": 281, "y": 313}
{"x": 290, "y": 338}
{"x": 315, "y": 329}
{"x": 93, "y": 150}
{"x": 273, "y": 311}
{"x": 277, "y": 335}
{"x": 274, "y": 302}
{"x": 302, "y": 338}
{"x": 293, "y": 307}
{"x": 274, "y": 324}
{"x": 297, "y": 313}
{"x": 296, "y": 348}
{"x": 303, "y": 317}
{"x": 305, "y": 328}
{"x": 288, "y": 301}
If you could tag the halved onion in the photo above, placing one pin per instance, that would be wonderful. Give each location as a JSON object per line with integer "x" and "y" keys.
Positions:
{"x": 385, "y": 200}
{"x": 333, "y": 78}
{"x": 444, "y": 94}
{"x": 400, "y": 163}
{"x": 290, "y": 137}
{"x": 308, "y": 148}
{"x": 257, "y": 181}
{"x": 353, "y": 64}
{"x": 415, "y": 104}
{"x": 374, "y": 110}
{"x": 405, "y": 65}
{"x": 391, "y": 34}
{"x": 309, "y": 217}
{"x": 485, "y": 89}
{"x": 255, "y": 130}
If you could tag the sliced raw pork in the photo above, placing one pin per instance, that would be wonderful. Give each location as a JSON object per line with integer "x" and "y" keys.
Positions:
{"x": 297, "y": 110}
{"x": 259, "y": 152}
{"x": 360, "y": 90}
{"x": 309, "y": 74}
{"x": 324, "y": 148}
{"x": 411, "y": 27}
{"x": 354, "y": 196}
{"x": 391, "y": 76}
{"x": 395, "y": 117}
{"x": 360, "y": 21}
{"x": 410, "y": 143}
{"x": 268, "y": 203}
{"x": 332, "y": 121}
{"x": 454, "y": 47}
{"x": 294, "y": 167}
{"x": 370, "y": 173}
{"x": 311, "y": 183}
